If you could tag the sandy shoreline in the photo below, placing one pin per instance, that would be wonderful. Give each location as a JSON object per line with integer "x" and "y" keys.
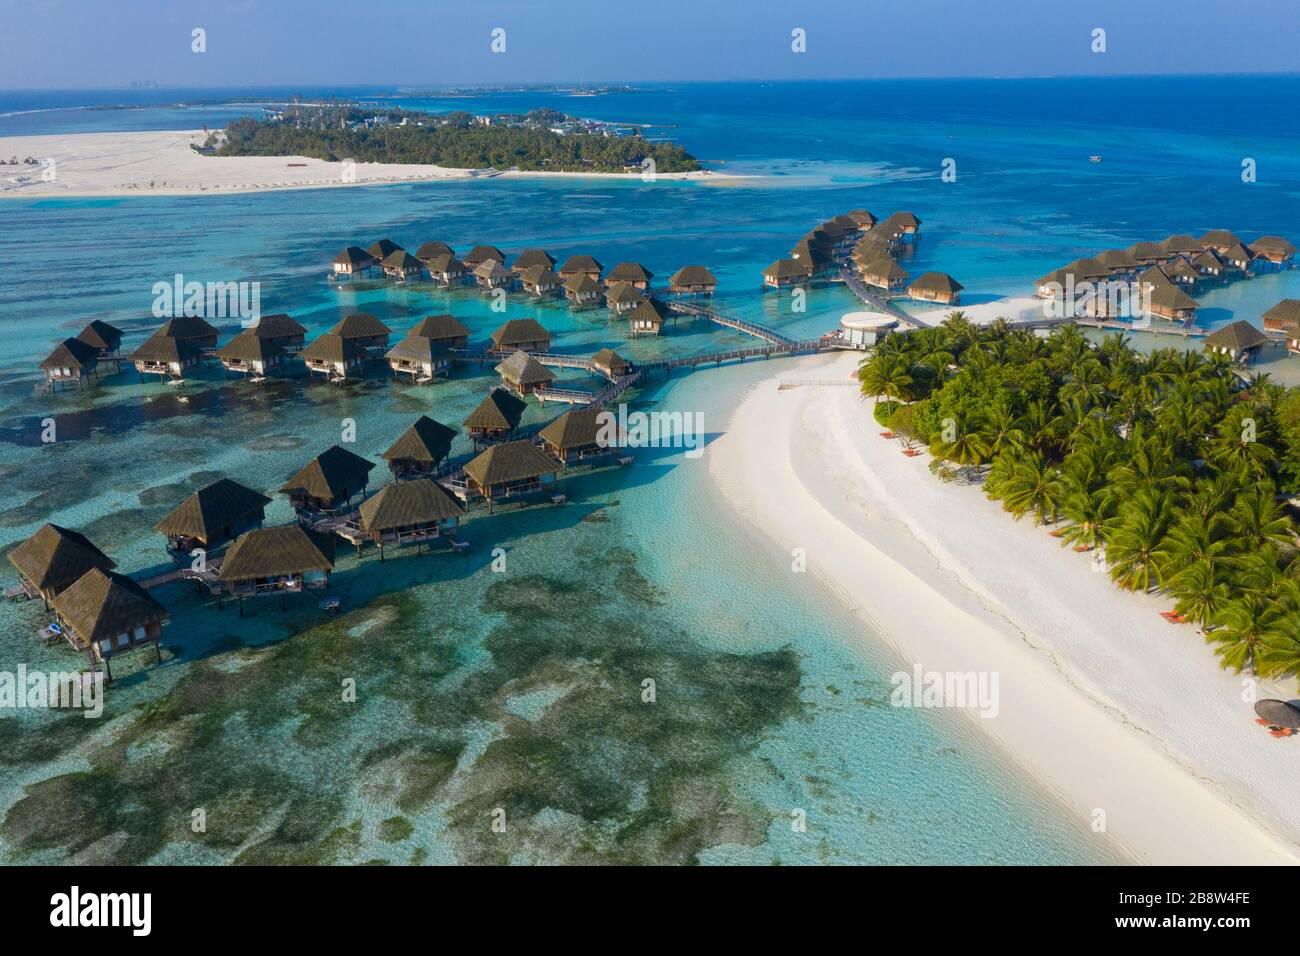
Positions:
{"x": 1109, "y": 706}
{"x": 161, "y": 163}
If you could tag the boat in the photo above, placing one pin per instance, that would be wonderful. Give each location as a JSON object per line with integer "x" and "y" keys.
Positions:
{"x": 1094, "y": 159}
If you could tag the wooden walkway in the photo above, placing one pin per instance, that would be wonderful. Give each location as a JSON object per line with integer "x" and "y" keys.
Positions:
{"x": 878, "y": 302}
{"x": 730, "y": 322}
{"x": 184, "y": 573}
{"x": 1114, "y": 325}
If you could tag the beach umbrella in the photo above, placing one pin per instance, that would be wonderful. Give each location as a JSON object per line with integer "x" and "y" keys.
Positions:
{"x": 1279, "y": 712}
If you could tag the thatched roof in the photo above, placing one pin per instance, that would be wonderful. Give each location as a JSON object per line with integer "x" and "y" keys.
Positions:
{"x": 580, "y": 264}
{"x": 1181, "y": 268}
{"x": 72, "y": 353}
{"x": 331, "y": 474}
{"x": 362, "y": 325}
{"x": 650, "y": 310}
{"x": 1219, "y": 237}
{"x": 426, "y": 441}
{"x": 581, "y": 283}
{"x": 492, "y": 269}
{"x": 845, "y": 222}
{"x": 608, "y": 358}
{"x": 1171, "y": 298}
{"x": 332, "y": 347}
{"x": 279, "y": 325}
{"x": 623, "y": 293}
{"x": 407, "y": 503}
{"x": 541, "y": 275}
{"x": 1056, "y": 277}
{"x": 1286, "y": 314}
{"x": 1237, "y": 253}
{"x": 629, "y": 272}
{"x": 1086, "y": 269}
{"x": 1117, "y": 259}
{"x": 522, "y": 369}
{"x": 382, "y": 249}
{"x": 164, "y": 348}
{"x": 480, "y": 253}
{"x": 355, "y": 257}
{"x": 270, "y": 552}
{"x": 499, "y": 409}
{"x": 1272, "y": 244}
{"x": 904, "y": 220}
{"x": 692, "y": 275}
{"x": 1279, "y": 712}
{"x": 786, "y": 269}
{"x": 936, "y": 282}
{"x": 577, "y": 428}
{"x": 106, "y": 337}
{"x": 884, "y": 268}
{"x": 248, "y": 346}
{"x": 534, "y": 257}
{"x": 417, "y": 348}
{"x": 519, "y": 331}
{"x": 432, "y": 250}
{"x": 402, "y": 261}
{"x": 1181, "y": 244}
{"x": 187, "y": 327}
{"x": 863, "y": 217}
{"x": 445, "y": 263}
{"x": 102, "y": 605}
{"x": 1155, "y": 277}
{"x": 216, "y": 506}
{"x": 1209, "y": 259}
{"x": 54, "y": 557}
{"x": 1238, "y": 336}
{"x": 442, "y": 326}
{"x": 509, "y": 461}
{"x": 1147, "y": 250}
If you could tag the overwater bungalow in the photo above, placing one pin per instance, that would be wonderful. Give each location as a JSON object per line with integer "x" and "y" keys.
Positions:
{"x": 1285, "y": 317}
{"x": 935, "y": 287}
{"x": 1181, "y": 272}
{"x": 633, "y": 273}
{"x": 71, "y": 361}
{"x": 582, "y": 290}
{"x": 335, "y": 357}
{"x": 250, "y": 354}
{"x": 1170, "y": 302}
{"x": 192, "y": 329}
{"x": 408, "y": 512}
{"x": 610, "y": 364}
{"x": 786, "y": 272}
{"x": 480, "y": 254}
{"x": 622, "y": 297}
{"x": 847, "y": 222}
{"x": 446, "y": 270}
{"x": 444, "y": 329}
{"x": 419, "y": 357}
{"x": 328, "y": 483}
{"x": 1220, "y": 240}
{"x": 842, "y": 237}
{"x": 108, "y": 339}
{"x": 540, "y": 281}
{"x": 1147, "y": 253}
{"x": 1208, "y": 264}
{"x": 1181, "y": 246}
{"x": 581, "y": 266}
{"x": 1236, "y": 259}
{"x": 284, "y": 560}
{"x": 1088, "y": 270}
{"x": 163, "y": 355}
{"x": 212, "y": 517}
{"x": 53, "y": 558}
{"x": 1052, "y": 285}
{"x": 510, "y": 470}
{"x": 279, "y": 329}
{"x": 886, "y": 274}
{"x": 816, "y": 259}
{"x": 420, "y": 450}
{"x": 495, "y": 418}
{"x": 523, "y": 374}
{"x": 354, "y": 263}
{"x": 647, "y": 318}
{"x": 363, "y": 329}
{"x": 108, "y": 614}
{"x": 573, "y": 438}
{"x": 402, "y": 266}
{"x": 1272, "y": 253}
{"x": 904, "y": 226}
{"x": 531, "y": 258}
{"x": 432, "y": 250}
{"x": 491, "y": 274}
{"x": 1240, "y": 341}
{"x": 863, "y": 217}
{"x": 1120, "y": 262}
{"x": 382, "y": 249}
{"x": 692, "y": 280}
{"x": 527, "y": 335}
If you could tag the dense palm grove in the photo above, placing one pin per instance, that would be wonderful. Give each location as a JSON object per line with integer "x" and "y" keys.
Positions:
{"x": 454, "y": 144}
{"x": 1168, "y": 464}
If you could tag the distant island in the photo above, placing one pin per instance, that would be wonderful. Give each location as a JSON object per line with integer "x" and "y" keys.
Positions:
{"x": 546, "y": 140}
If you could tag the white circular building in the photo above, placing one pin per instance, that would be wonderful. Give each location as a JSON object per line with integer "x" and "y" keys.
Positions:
{"x": 864, "y": 329}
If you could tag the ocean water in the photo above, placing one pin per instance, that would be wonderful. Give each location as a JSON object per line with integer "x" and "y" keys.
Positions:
{"x": 520, "y": 691}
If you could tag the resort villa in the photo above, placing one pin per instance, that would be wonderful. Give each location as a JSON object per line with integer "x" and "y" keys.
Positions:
{"x": 401, "y": 265}
{"x": 363, "y": 329}
{"x": 621, "y": 297}
{"x": 510, "y": 470}
{"x": 786, "y": 272}
{"x": 446, "y": 270}
{"x": 523, "y": 374}
{"x": 692, "y": 280}
{"x": 495, "y": 418}
{"x": 212, "y": 517}
{"x": 903, "y": 227}
{"x": 432, "y": 250}
{"x": 106, "y": 613}
{"x": 582, "y": 290}
{"x": 885, "y": 274}
{"x": 1240, "y": 341}
{"x": 574, "y": 437}
{"x": 281, "y": 330}
{"x": 420, "y": 449}
{"x": 647, "y": 318}
{"x": 610, "y": 364}
{"x": 1285, "y": 317}
{"x": 71, "y": 361}
{"x": 1272, "y": 253}
{"x": 53, "y": 558}
{"x": 419, "y": 357}
{"x": 817, "y": 260}
{"x": 250, "y": 354}
{"x": 480, "y": 254}
{"x": 632, "y": 273}
{"x": 531, "y": 259}
{"x": 105, "y": 338}
{"x": 407, "y": 512}
{"x": 527, "y": 335}
{"x": 335, "y": 357}
{"x": 353, "y": 263}
{"x": 164, "y": 355}
{"x": 935, "y": 287}
{"x": 328, "y": 483}
{"x": 283, "y": 560}
{"x": 443, "y": 329}
{"x": 1168, "y": 301}
{"x": 540, "y": 281}
{"x": 491, "y": 274}
{"x": 581, "y": 266}
{"x": 382, "y": 249}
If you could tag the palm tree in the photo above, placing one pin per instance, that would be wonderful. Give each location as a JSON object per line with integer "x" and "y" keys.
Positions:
{"x": 885, "y": 375}
{"x": 1033, "y": 484}
{"x": 1134, "y": 538}
{"x": 1200, "y": 591}
{"x": 1245, "y": 626}
{"x": 967, "y": 445}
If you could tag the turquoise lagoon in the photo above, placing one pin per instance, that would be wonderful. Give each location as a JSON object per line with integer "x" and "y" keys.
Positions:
{"x": 520, "y": 691}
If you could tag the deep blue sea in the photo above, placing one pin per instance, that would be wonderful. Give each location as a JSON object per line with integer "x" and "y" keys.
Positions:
{"x": 485, "y": 690}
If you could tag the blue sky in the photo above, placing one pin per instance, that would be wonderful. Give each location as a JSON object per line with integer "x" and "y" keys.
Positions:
{"x": 105, "y": 43}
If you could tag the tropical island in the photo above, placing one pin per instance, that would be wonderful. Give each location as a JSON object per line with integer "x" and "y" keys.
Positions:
{"x": 540, "y": 140}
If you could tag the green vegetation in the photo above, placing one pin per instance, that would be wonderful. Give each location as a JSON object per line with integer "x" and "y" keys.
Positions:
{"x": 453, "y": 141}
{"x": 1168, "y": 463}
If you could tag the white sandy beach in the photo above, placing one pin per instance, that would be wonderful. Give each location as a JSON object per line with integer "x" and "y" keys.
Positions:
{"x": 1100, "y": 699}
{"x": 982, "y": 313}
{"x": 161, "y": 163}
